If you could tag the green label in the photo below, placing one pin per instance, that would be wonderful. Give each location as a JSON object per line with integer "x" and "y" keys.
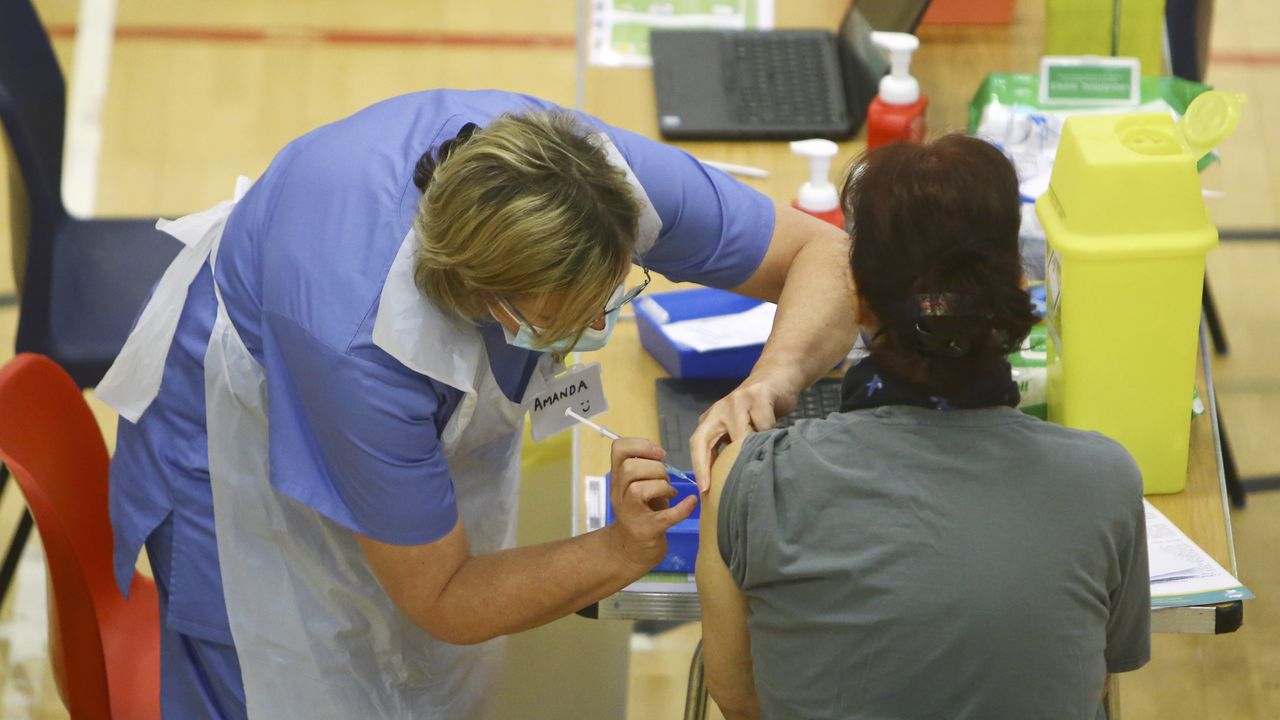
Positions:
{"x": 1085, "y": 82}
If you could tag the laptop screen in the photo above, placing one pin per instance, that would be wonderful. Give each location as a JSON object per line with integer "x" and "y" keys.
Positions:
{"x": 855, "y": 38}
{"x": 861, "y": 63}
{"x": 892, "y": 15}
{"x": 864, "y": 16}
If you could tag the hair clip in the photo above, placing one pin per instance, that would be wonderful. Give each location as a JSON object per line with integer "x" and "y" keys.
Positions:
{"x": 952, "y": 345}
{"x": 931, "y": 305}
{"x": 426, "y": 166}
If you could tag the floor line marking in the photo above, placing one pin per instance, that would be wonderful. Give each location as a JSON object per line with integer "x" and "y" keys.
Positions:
{"x": 332, "y": 36}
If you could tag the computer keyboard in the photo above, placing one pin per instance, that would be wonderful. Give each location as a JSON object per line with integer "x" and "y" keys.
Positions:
{"x": 817, "y": 401}
{"x": 680, "y": 402}
{"x": 778, "y": 77}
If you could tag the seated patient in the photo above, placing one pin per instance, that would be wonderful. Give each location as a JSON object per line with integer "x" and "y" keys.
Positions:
{"x": 929, "y": 551}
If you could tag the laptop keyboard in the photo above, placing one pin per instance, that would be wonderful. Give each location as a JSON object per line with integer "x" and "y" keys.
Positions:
{"x": 778, "y": 78}
{"x": 815, "y": 402}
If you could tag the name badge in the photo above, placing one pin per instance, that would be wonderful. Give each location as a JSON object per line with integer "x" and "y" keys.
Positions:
{"x": 579, "y": 388}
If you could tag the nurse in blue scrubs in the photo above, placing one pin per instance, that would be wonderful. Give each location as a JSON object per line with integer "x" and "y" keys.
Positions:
{"x": 322, "y": 403}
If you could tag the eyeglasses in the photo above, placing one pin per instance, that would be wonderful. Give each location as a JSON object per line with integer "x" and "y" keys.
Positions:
{"x": 627, "y": 297}
{"x": 514, "y": 312}
{"x": 630, "y": 294}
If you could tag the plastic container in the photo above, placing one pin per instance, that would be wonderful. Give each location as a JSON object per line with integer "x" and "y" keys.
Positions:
{"x": 897, "y": 112}
{"x": 1127, "y": 232}
{"x": 682, "y": 538}
{"x": 1133, "y": 28}
{"x": 654, "y": 311}
{"x": 818, "y": 196}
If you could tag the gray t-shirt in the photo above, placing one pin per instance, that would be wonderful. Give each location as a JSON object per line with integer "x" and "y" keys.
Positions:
{"x": 903, "y": 563}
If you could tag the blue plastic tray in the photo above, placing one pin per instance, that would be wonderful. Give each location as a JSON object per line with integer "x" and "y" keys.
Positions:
{"x": 682, "y": 538}
{"x": 654, "y": 311}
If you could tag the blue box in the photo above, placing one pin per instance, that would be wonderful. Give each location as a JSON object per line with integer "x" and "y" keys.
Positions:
{"x": 654, "y": 311}
{"x": 682, "y": 538}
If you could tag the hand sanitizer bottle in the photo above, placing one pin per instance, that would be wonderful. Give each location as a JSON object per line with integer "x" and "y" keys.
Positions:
{"x": 897, "y": 113}
{"x": 818, "y": 197}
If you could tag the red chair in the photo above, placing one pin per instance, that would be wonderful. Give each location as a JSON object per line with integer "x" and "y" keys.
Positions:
{"x": 105, "y": 650}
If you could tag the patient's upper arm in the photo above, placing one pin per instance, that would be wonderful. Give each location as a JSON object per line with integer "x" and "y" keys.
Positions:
{"x": 726, "y": 644}
{"x": 709, "y": 524}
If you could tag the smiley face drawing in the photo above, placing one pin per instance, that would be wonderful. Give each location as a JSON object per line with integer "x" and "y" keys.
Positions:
{"x": 584, "y": 407}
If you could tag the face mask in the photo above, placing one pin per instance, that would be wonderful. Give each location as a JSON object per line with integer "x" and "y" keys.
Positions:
{"x": 591, "y": 338}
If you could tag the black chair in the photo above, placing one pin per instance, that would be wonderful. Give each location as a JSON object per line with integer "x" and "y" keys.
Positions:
{"x": 81, "y": 282}
{"x": 1187, "y": 25}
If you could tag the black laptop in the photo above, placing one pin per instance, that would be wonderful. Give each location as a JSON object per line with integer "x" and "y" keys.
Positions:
{"x": 774, "y": 84}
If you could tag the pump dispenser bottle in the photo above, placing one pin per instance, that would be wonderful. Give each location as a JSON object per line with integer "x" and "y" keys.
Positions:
{"x": 818, "y": 196}
{"x": 897, "y": 112}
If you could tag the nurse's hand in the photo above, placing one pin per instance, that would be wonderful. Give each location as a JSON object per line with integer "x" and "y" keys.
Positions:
{"x": 753, "y": 406}
{"x": 640, "y": 495}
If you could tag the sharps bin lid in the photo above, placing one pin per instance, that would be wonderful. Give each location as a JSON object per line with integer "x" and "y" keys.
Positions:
{"x": 1212, "y": 116}
{"x": 1128, "y": 184}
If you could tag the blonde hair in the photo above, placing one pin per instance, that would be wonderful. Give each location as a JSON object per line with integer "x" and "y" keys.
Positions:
{"x": 524, "y": 208}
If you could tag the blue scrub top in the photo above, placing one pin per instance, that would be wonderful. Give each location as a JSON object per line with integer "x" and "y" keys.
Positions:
{"x": 354, "y": 433}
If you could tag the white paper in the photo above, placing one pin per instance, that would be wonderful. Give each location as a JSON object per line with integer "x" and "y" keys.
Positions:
{"x": 1178, "y": 566}
{"x": 619, "y": 30}
{"x": 1167, "y": 565}
{"x": 718, "y": 332}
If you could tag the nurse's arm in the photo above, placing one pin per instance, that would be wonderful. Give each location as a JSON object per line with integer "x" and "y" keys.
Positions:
{"x": 806, "y": 272}
{"x": 726, "y": 646}
{"x": 462, "y": 598}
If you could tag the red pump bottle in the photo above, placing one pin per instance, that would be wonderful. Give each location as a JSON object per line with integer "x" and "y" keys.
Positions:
{"x": 897, "y": 112}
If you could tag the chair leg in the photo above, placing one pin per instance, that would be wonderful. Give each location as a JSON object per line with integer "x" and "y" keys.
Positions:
{"x": 1235, "y": 488}
{"x": 19, "y": 542}
{"x": 1215, "y": 322}
{"x": 695, "y": 696}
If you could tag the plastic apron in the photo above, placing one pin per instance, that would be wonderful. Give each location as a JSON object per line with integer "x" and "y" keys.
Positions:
{"x": 315, "y": 634}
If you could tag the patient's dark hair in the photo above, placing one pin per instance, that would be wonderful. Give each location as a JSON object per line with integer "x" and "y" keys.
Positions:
{"x": 935, "y": 257}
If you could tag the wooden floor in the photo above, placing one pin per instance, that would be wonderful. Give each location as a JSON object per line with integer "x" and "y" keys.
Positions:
{"x": 200, "y": 92}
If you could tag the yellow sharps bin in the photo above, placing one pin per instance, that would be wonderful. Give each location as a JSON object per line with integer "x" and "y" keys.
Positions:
{"x": 1127, "y": 232}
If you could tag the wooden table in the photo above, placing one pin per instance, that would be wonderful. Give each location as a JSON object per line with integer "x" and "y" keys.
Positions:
{"x": 950, "y": 65}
